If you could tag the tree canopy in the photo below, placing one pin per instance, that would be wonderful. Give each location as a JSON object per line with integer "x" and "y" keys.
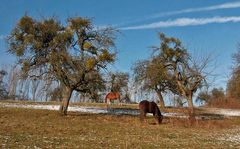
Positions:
{"x": 73, "y": 54}
{"x": 171, "y": 68}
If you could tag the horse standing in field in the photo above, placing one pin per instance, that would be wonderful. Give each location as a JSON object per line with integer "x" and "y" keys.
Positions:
{"x": 150, "y": 107}
{"x": 112, "y": 96}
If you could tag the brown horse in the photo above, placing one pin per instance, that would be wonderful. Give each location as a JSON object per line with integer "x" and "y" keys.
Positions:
{"x": 112, "y": 96}
{"x": 149, "y": 107}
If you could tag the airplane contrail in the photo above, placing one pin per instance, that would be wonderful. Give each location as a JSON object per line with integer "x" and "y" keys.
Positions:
{"x": 184, "y": 22}
{"x": 230, "y": 5}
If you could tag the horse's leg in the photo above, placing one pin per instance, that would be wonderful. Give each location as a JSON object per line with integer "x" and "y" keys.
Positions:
{"x": 108, "y": 103}
{"x": 143, "y": 116}
{"x": 155, "y": 117}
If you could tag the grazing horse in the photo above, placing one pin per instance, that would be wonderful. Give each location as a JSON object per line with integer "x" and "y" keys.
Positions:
{"x": 112, "y": 96}
{"x": 149, "y": 107}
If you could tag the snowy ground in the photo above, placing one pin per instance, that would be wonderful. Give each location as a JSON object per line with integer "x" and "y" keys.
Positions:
{"x": 216, "y": 111}
{"x": 96, "y": 110}
{"x": 224, "y": 112}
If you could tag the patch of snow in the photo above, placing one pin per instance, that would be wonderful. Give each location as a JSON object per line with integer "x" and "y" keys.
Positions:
{"x": 224, "y": 112}
{"x": 46, "y": 107}
{"x": 228, "y": 112}
{"x": 56, "y": 107}
{"x": 117, "y": 111}
{"x": 86, "y": 109}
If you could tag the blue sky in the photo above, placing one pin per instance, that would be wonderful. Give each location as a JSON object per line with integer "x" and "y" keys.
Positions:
{"x": 204, "y": 26}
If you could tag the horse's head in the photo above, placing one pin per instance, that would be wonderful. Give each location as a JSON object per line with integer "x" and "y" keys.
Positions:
{"x": 158, "y": 113}
{"x": 160, "y": 118}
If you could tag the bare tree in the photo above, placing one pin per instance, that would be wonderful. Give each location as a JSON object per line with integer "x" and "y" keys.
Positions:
{"x": 204, "y": 97}
{"x": 34, "y": 87}
{"x": 233, "y": 88}
{"x": 118, "y": 81}
{"x": 13, "y": 81}
{"x": 24, "y": 89}
{"x": 57, "y": 93}
{"x": 3, "y": 86}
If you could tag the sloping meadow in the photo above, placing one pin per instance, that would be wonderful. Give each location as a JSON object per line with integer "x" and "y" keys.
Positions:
{"x": 31, "y": 128}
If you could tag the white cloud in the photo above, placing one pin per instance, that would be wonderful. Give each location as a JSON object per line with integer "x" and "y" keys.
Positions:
{"x": 230, "y": 5}
{"x": 184, "y": 22}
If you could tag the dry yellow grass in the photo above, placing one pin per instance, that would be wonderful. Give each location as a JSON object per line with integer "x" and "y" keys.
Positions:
{"x": 27, "y": 128}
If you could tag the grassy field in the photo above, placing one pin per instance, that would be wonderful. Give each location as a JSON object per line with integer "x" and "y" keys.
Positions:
{"x": 28, "y": 128}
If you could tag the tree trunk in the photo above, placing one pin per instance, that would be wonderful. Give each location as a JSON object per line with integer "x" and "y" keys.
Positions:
{"x": 161, "y": 101}
{"x": 191, "y": 109}
{"x": 65, "y": 101}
